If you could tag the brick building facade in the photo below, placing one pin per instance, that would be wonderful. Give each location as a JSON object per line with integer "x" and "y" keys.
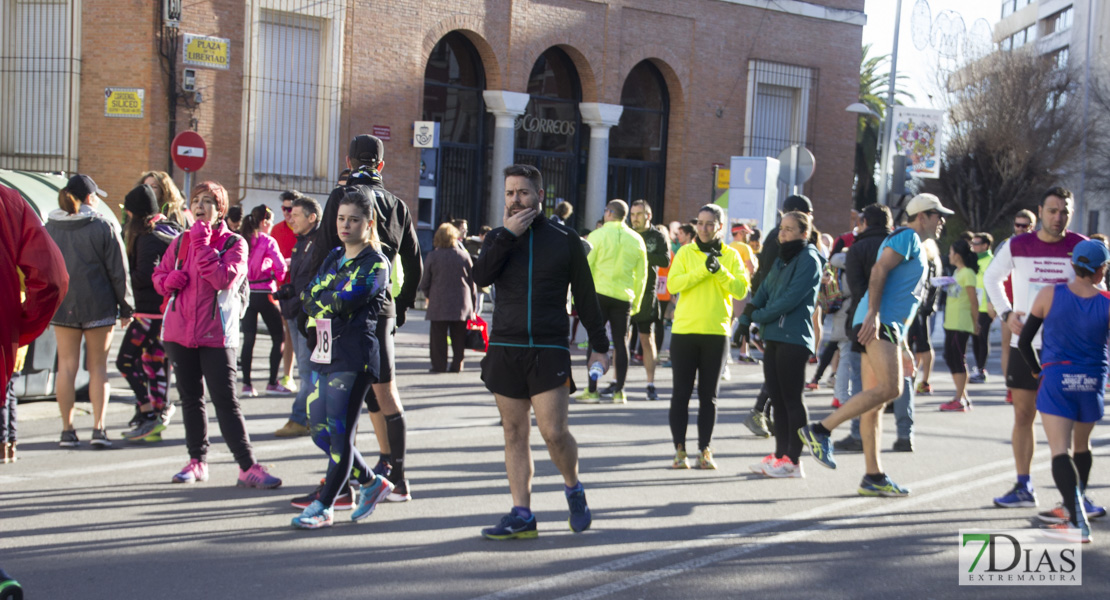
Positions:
{"x": 698, "y": 81}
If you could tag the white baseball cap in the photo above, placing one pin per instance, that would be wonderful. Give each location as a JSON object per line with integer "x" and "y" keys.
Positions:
{"x": 923, "y": 202}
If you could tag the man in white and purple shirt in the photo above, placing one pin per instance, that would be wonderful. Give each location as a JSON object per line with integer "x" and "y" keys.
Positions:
{"x": 1033, "y": 261}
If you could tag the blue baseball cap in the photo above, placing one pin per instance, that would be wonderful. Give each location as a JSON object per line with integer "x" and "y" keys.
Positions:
{"x": 1090, "y": 254}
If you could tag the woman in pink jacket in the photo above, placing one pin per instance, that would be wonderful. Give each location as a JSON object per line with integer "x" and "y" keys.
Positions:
{"x": 265, "y": 267}
{"x": 203, "y": 274}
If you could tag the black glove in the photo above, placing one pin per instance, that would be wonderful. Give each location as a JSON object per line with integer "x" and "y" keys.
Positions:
{"x": 712, "y": 264}
{"x": 401, "y": 316}
{"x": 285, "y": 292}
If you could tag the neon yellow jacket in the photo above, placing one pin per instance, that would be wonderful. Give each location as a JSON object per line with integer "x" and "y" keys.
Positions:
{"x": 705, "y": 301}
{"x": 618, "y": 262}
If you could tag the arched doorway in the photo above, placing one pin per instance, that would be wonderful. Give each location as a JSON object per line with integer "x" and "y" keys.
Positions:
{"x": 549, "y": 133}
{"x": 453, "y": 83}
{"x": 638, "y": 144}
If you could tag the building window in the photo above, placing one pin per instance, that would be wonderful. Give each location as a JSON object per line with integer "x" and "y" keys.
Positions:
{"x": 1060, "y": 58}
{"x": 1059, "y": 21}
{"x": 293, "y": 94}
{"x": 638, "y": 144}
{"x": 39, "y": 84}
{"x": 1008, "y": 7}
{"x": 778, "y": 107}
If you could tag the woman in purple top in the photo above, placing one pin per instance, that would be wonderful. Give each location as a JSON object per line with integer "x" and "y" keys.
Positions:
{"x": 1072, "y": 366}
{"x": 265, "y": 267}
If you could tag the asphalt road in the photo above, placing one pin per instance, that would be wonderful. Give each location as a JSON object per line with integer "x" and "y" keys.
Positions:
{"x": 108, "y": 524}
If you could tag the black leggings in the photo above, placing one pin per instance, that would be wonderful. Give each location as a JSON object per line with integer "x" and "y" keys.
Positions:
{"x": 955, "y": 347}
{"x": 827, "y": 353}
{"x": 262, "y": 303}
{"x": 217, "y": 368}
{"x": 981, "y": 345}
{"x": 617, "y": 314}
{"x": 702, "y": 356}
{"x": 784, "y": 367}
{"x": 334, "y": 406}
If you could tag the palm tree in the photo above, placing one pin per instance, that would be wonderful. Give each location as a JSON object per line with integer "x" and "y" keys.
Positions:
{"x": 872, "y": 93}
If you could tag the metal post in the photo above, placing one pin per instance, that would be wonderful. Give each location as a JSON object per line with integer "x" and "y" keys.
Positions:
{"x": 793, "y": 177}
{"x": 888, "y": 120}
{"x": 1081, "y": 200}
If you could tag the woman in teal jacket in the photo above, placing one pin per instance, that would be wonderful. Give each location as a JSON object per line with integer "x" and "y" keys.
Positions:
{"x": 783, "y": 307}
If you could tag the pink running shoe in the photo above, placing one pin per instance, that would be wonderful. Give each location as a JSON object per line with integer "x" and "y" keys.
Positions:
{"x": 954, "y": 406}
{"x": 257, "y": 477}
{"x": 248, "y": 392}
{"x": 193, "y": 472}
{"x": 277, "y": 388}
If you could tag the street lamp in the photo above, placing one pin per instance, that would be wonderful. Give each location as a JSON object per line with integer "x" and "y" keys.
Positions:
{"x": 862, "y": 109}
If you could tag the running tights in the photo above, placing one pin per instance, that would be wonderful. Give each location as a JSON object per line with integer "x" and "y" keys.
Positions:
{"x": 142, "y": 362}
{"x": 955, "y": 347}
{"x": 828, "y": 351}
{"x": 334, "y": 406}
{"x": 263, "y": 304}
{"x": 616, "y": 313}
{"x": 982, "y": 343}
{"x": 782, "y": 364}
{"x": 700, "y": 356}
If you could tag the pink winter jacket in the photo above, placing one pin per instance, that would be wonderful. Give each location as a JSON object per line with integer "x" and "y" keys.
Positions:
{"x": 266, "y": 266}
{"x": 193, "y": 318}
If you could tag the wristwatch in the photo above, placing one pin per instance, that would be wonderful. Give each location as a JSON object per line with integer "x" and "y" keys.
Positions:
{"x": 1006, "y": 316}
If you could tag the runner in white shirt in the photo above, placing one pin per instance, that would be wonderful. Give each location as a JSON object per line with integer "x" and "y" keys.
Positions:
{"x": 1033, "y": 261}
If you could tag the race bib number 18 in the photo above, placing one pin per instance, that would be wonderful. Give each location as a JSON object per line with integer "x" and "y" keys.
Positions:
{"x": 322, "y": 354}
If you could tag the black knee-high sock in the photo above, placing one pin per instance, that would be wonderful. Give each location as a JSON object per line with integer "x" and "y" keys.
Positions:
{"x": 395, "y": 430}
{"x": 1067, "y": 480}
{"x": 1083, "y": 466}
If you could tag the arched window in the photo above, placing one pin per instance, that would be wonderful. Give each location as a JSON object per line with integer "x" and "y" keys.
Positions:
{"x": 638, "y": 144}
{"x": 453, "y": 83}
{"x": 549, "y": 133}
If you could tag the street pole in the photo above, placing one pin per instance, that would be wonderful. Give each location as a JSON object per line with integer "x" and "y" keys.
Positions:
{"x": 1081, "y": 201}
{"x": 888, "y": 118}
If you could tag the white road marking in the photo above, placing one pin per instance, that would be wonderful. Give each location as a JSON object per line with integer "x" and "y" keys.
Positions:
{"x": 738, "y": 542}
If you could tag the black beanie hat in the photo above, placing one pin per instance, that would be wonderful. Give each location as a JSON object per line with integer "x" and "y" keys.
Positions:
{"x": 799, "y": 203}
{"x": 141, "y": 201}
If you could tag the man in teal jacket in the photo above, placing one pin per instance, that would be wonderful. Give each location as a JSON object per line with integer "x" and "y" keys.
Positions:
{"x": 618, "y": 262}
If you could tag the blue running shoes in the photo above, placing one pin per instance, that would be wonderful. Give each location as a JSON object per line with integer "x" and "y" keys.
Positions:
{"x": 370, "y": 495}
{"x": 512, "y": 527}
{"x": 1018, "y": 497}
{"x": 580, "y": 517}
{"x": 820, "y": 445}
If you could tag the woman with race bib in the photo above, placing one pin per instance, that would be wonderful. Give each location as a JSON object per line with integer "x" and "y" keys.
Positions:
{"x": 342, "y": 303}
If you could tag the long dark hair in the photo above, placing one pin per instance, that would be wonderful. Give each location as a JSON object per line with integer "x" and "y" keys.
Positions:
{"x": 136, "y": 227}
{"x": 963, "y": 249}
{"x": 251, "y": 222}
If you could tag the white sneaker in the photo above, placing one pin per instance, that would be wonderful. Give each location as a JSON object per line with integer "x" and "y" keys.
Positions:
{"x": 726, "y": 374}
{"x": 784, "y": 468}
{"x": 766, "y": 462}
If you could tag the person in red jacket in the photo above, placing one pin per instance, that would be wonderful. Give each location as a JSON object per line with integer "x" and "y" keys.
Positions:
{"x": 27, "y": 250}
{"x": 202, "y": 273}
{"x": 286, "y": 239}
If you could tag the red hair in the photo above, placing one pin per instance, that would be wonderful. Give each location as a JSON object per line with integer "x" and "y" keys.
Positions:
{"x": 216, "y": 190}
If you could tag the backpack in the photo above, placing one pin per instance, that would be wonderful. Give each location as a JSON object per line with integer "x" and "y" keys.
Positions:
{"x": 233, "y": 300}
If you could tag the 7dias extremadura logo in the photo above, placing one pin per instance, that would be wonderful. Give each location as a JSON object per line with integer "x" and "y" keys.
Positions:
{"x": 1020, "y": 557}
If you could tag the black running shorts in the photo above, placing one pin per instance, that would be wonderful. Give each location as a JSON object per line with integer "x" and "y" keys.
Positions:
{"x": 526, "y": 372}
{"x": 1018, "y": 374}
{"x": 886, "y": 332}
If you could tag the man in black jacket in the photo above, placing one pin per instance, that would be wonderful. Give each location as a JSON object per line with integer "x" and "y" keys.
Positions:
{"x": 875, "y": 224}
{"x": 532, "y": 261}
{"x": 304, "y": 219}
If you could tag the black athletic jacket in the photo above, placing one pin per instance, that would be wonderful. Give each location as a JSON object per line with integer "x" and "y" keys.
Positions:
{"x": 862, "y": 255}
{"x": 531, "y": 273}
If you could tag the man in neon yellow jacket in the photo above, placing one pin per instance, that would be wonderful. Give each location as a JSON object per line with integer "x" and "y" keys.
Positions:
{"x": 618, "y": 262}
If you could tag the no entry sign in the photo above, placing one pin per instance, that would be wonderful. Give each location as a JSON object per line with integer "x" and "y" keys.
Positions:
{"x": 189, "y": 151}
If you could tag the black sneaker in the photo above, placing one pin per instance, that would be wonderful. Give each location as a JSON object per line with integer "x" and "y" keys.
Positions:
{"x": 100, "y": 439}
{"x": 69, "y": 439}
{"x": 848, "y": 444}
{"x": 342, "y": 501}
{"x": 609, "y": 390}
{"x": 903, "y": 445}
{"x": 137, "y": 418}
{"x": 400, "y": 492}
{"x": 651, "y": 393}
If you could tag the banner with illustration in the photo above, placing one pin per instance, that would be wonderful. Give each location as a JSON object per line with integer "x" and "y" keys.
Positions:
{"x": 916, "y": 134}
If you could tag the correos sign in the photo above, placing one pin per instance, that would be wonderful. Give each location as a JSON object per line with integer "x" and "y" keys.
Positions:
{"x": 534, "y": 124}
